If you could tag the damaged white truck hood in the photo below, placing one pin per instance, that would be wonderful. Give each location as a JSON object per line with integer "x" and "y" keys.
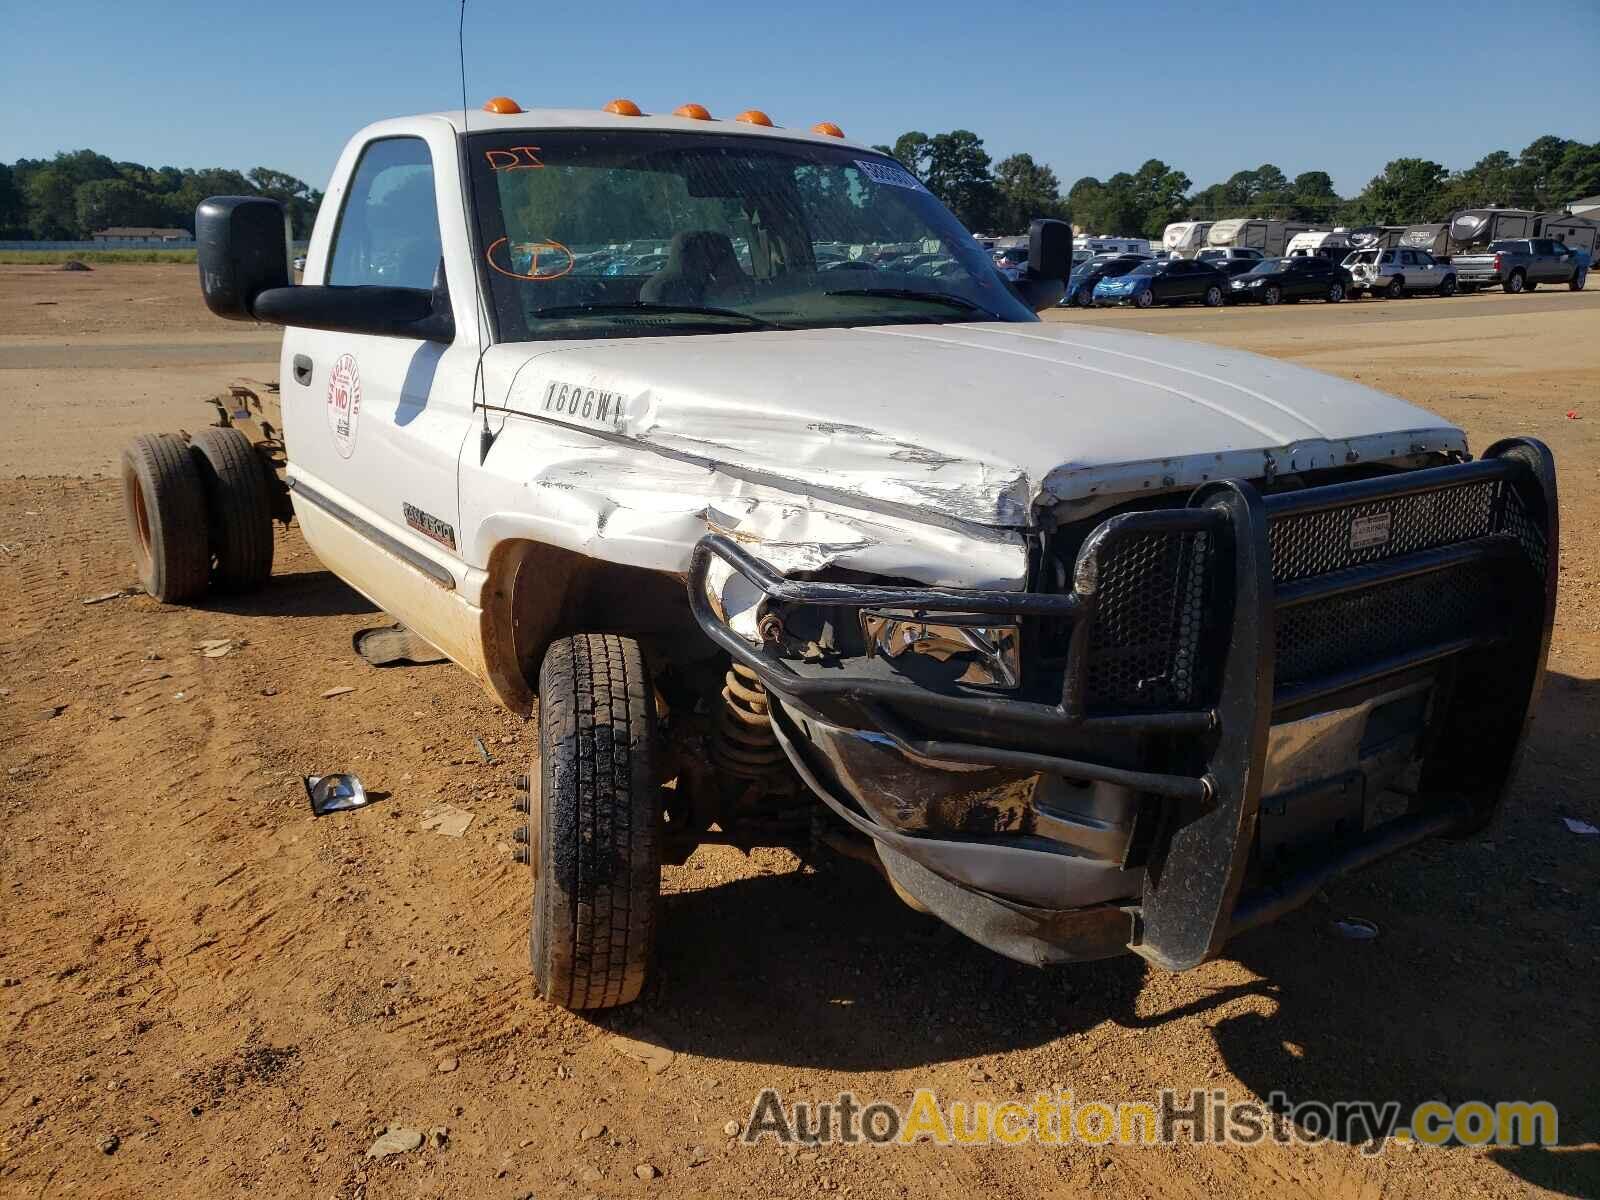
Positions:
{"x": 964, "y": 423}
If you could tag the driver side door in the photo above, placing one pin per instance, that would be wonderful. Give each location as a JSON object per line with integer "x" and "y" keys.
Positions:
{"x": 375, "y": 423}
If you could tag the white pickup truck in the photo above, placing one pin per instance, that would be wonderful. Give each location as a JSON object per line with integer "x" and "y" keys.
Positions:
{"x": 730, "y": 449}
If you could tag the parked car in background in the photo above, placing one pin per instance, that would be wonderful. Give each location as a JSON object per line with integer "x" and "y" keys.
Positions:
{"x": 1081, "y": 284}
{"x": 1304, "y": 277}
{"x": 1520, "y": 265}
{"x": 1397, "y": 271}
{"x": 1012, "y": 261}
{"x": 1217, "y": 255}
{"x": 1176, "y": 281}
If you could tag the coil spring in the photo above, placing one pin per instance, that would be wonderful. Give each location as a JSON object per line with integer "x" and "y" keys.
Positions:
{"x": 744, "y": 744}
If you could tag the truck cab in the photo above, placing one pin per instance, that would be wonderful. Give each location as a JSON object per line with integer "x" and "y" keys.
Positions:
{"x": 726, "y": 449}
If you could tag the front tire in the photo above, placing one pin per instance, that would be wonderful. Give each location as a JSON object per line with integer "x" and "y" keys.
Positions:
{"x": 1213, "y": 297}
{"x": 1575, "y": 284}
{"x": 1144, "y": 299}
{"x": 238, "y": 508}
{"x": 1335, "y": 292}
{"x": 1271, "y": 295}
{"x": 595, "y": 835}
{"x": 165, "y": 503}
{"x": 1084, "y": 298}
{"x": 1397, "y": 288}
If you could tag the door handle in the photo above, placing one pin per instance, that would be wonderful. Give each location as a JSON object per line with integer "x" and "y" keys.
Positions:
{"x": 302, "y": 370}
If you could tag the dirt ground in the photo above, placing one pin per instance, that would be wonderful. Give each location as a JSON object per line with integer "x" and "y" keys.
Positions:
{"x": 243, "y": 997}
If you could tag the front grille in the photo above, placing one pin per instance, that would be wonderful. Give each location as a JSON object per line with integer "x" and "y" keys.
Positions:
{"x": 1153, "y": 641}
{"x": 1343, "y": 633}
{"x": 1317, "y": 543}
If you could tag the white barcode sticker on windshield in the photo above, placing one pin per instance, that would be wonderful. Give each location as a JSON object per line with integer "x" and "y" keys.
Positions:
{"x": 889, "y": 173}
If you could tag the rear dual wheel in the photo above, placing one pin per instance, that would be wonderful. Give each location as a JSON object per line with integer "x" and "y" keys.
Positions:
{"x": 199, "y": 513}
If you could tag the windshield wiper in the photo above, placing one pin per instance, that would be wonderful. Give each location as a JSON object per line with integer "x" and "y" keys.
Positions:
{"x": 944, "y": 298}
{"x": 692, "y": 310}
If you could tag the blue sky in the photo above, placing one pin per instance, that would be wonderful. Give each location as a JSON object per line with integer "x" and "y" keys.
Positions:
{"x": 1090, "y": 88}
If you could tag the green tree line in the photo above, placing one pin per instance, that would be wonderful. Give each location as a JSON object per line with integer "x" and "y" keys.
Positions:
{"x": 77, "y": 192}
{"x": 1003, "y": 197}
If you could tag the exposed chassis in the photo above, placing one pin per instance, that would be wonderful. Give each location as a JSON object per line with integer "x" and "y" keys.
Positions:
{"x": 1197, "y": 769}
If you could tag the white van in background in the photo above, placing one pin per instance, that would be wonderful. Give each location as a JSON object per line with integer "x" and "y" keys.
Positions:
{"x": 1183, "y": 238}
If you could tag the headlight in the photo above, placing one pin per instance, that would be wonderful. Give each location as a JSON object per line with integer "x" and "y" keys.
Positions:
{"x": 976, "y": 649}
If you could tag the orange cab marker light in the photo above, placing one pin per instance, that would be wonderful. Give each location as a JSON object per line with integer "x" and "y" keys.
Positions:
{"x": 754, "y": 116}
{"x": 695, "y": 112}
{"x": 503, "y": 105}
{"x": 623, "y": 108}
{"x": 827, "y": 127}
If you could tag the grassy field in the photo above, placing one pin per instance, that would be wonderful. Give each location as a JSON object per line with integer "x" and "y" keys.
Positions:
{"x": 34, "y": 257}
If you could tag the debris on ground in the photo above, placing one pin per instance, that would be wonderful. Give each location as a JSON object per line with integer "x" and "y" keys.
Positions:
{"x": 116, "y": 595}
{"x": 108, "y": 1145}
{"x": 483, "y": 750}
{"x": 395, "y": 1141}
{"x": 73, "y": 264}
{"x": 337, "y": 691}
{"x": 446, "y": 1065}
{"x": 656, "y": 1059}
{"x": 646, "y": 1171}
{"x": 589, "y": 1132}
{"x": 217, "y": 647}
{"x": 1581, "y": 828}
{"x": 1357, "y": 929}
{"x": 447, "y": 819}
{"x": 335, "y": 793}
{"x": 392, "y": 645}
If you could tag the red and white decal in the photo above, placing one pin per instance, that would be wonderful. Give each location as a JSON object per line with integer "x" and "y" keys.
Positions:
{"x": 344, "y": 403}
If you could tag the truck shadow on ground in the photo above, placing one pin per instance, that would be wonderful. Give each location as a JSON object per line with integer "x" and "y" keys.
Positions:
{"x": 294, "y": 594}
{"x": 1474, "y": 989}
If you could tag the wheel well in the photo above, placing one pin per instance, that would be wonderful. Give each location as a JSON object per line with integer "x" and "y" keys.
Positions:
{"x": 537, "y": 592}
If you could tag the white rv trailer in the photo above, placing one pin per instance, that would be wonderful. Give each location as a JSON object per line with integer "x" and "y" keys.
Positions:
{"x": 1183, "y": 239}
{"x": 1255, "y": 233}
{"x": 1332, "y": 245}
{"x": 1580, "y": 233}
{"x": 1100, "y": 244}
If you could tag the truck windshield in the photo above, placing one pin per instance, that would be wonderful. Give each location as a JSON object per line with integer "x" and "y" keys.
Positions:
{"x": 654, "y": 233}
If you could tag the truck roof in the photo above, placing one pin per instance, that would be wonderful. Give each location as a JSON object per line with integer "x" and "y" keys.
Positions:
{"x": 480, "y": 121}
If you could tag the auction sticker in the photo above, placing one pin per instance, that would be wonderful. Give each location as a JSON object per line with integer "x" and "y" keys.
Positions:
{"x": 344, "y": 403}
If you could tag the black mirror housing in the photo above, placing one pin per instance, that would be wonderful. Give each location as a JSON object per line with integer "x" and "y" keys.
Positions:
{"x": 1049, "y": 249}
{"x": 243, "y": 250}
{"x": 1044, "y": 282}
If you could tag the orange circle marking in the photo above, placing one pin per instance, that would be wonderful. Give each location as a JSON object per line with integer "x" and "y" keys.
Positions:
{"x": 536, "y": 275}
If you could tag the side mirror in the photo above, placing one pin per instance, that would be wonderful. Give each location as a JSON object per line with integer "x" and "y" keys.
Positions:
{"x": 1049, "y": 263}
{"x": 243, "y": 249}
{"x": 244, "y": 276}
{"x": 1050, "y": 249}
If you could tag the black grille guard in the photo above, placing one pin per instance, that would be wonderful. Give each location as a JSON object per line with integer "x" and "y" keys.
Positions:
{"x": 1272, "y": 561}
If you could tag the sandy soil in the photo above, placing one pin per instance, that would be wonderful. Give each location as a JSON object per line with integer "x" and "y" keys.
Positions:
{"x": 244, "y": 997}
